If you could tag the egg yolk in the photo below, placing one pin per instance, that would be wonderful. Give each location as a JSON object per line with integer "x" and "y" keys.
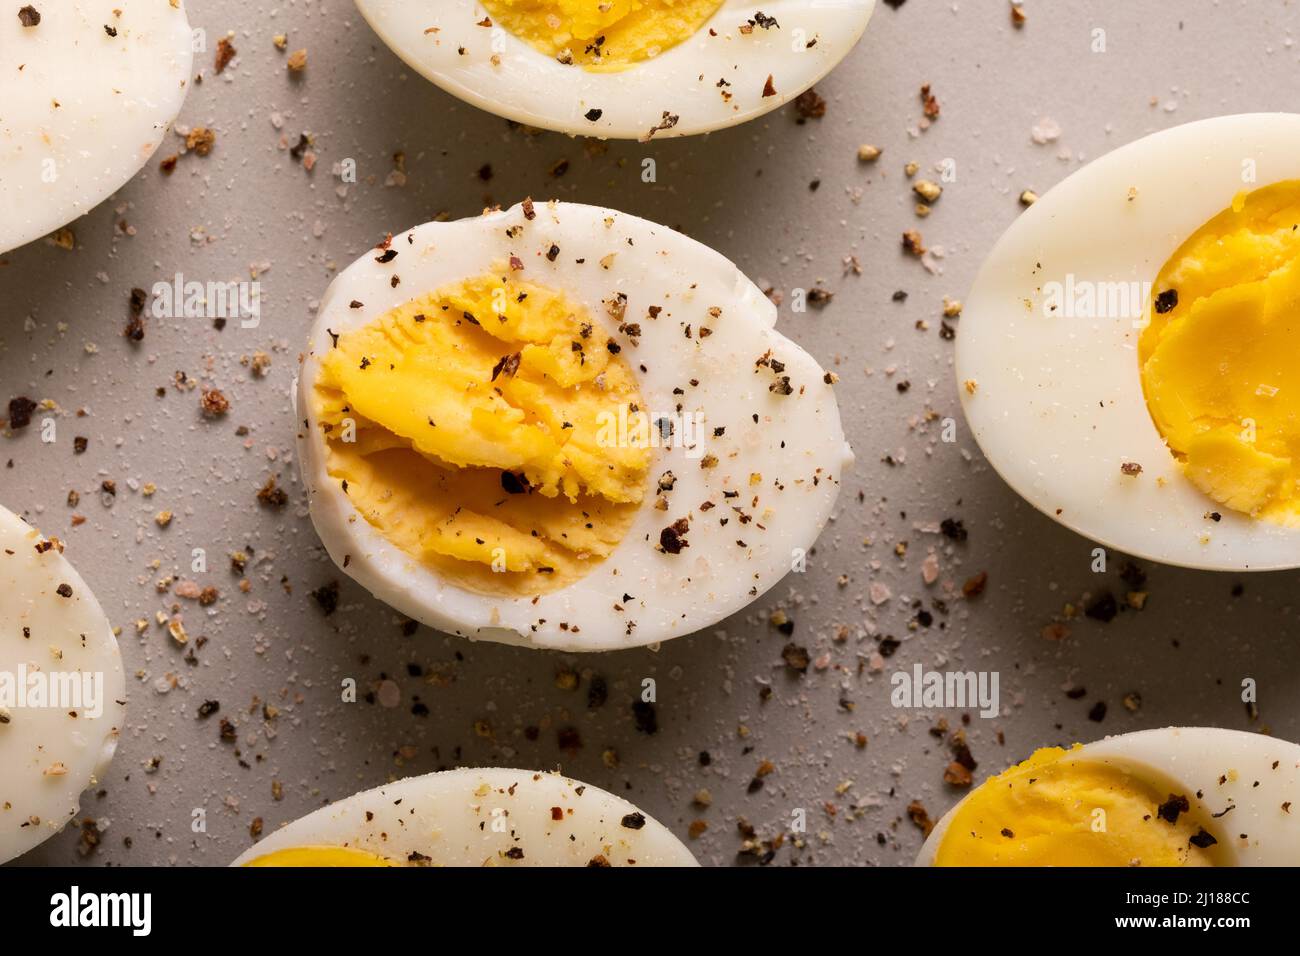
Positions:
{"x": 1055, "y": 810}
{"x": 1219, "y": 357}
{"x": 602, "y": 34}
{"x": 319, "y": 856}
{"x": 491, "y": 430}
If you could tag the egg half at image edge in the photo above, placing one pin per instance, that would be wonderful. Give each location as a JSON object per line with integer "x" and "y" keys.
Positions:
{"x": 564, "y": 427}
{"x": 1179, "y": 796}
{"x": 489, "y": 817}
{"x": 1127, "y": 357}
{"x": 90, "y": 89}
{"x": 62, "y": 688}
{"x": 622, "y": 69}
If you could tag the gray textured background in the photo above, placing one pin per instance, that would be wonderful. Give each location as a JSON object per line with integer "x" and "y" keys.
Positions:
{"x": 746, "y": 192}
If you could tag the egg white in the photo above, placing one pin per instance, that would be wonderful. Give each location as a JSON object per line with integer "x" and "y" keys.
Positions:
{"x": 1057, "y": 405}
{"x": 473, "y": 817}
{"x": 83, "y": 111}
{"x": 531, "y": 88}
{"x": 66, "y": 635}
{"x": 1215, "y": 769}
{"x": 798, "y": 441}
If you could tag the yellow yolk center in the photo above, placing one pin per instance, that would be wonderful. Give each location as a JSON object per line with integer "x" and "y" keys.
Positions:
{"x": 319, "y": 856}
{"x": 602, "y": 34}
{"x": 490, "y": 430}
{"x": 1220, "y": 364}
{"x": 1056, "y": 810}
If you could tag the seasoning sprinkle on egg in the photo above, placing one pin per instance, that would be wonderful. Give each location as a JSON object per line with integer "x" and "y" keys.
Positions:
{"x": 57, "y": 164}
{"x": 503, "y": 458}
{"x": 1149, "y": 798}
{"x": 622, "y": 70}
{"x": 490, "y": 817}
{"x": 60, "y": 721}
{"x": 1133, "y": 337}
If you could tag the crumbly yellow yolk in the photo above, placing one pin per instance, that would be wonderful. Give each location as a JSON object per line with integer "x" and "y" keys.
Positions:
{"x": 319, "y": 856}
{"x": 473, "y": 427}
{"x": 1055, "y": 810}
{"x": 602, "y": 34}
{"x": 1219, "y": 359}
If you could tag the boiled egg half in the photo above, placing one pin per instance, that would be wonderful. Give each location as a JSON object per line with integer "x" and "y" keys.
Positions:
{"x": 1180, "y": 796}
{"x": 622, "y": 69}
{"x": 62, "y": 689}
{"x": 1128, "y": 356}
{"x": 564, "y": 427}
{"x": 89, "y": 90}
{"x": 491, "y": 817}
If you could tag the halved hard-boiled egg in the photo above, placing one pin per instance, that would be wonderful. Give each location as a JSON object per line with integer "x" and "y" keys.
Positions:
{"x": 622, "y": 69}
{"x": 62, "y": 689}
{"x": 90, "y": 89}
{"x": 1180, "y": 796}
{"x": 491, "y": 817}
{"x": 1127, "y": 358}
{"x": 564, "y": 427}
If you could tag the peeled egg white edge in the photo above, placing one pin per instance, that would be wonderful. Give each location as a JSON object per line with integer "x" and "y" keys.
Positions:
{"x": 1193, "y": 758}
{"x": 450, "y": 252}
{"x": 453, "y": 822}
{"x": 1043, "y": 431}
{"x": 96, "y": 755}
{"x": 529, "y": 87}
{"x": 92, "y": 175}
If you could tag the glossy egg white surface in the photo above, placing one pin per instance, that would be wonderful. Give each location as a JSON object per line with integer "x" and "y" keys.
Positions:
{"x": 82, "y": 111}
{"x": 1246, "y": 786}
{"x": 489, "y": 817}
{"x": 797, "y": 444}
{"x": 1055, "y": 401}
{"x": 445, "y": 41}
{"x": 50, "y": 750}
